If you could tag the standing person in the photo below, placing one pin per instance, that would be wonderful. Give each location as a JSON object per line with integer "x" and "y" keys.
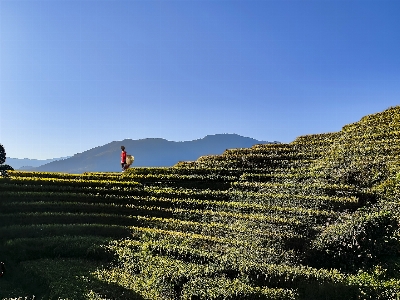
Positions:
{"x": 123, "y": 158}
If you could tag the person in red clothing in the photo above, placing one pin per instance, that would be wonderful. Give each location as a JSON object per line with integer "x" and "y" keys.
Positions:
{"x": 123, "y": 158}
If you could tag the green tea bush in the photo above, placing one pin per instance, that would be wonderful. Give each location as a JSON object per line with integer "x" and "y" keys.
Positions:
{"x": 221, "y": 288}
{"x": 388, "y": 191}
{"x": 360, "y": 241}
{"x": 375, "y": 285}
{"x": 361, "y": 172}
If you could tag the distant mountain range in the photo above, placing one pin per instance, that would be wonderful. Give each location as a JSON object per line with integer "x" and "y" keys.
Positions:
{"x": 27, "y": 163}
{"x": 150, "y": 152}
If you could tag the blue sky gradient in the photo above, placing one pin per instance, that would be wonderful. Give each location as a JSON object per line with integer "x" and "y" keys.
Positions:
{"x": 78, "y": 74}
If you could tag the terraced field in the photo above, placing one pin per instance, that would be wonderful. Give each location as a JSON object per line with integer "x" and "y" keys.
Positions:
{"x": 314, "y": 219}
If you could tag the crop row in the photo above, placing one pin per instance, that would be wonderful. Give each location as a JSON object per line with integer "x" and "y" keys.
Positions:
{"x": 56, "y": 229}
{"x": 237, "y": 201}
{"x": 156, "y": 262}
{"x": 316, "y": 139}
{"x": 258, "y": 182}
{"x": 47, "y": 218}
{"x": 163, "y": 278}
{"x": 40, "y": 192}
{"x": 84, "y": 188}
{"x": 194, "y": 172}
{"x": 135, "y": 181}
{"x": 73, "y": 182}
{"x": 60, "y": 215}
{"x": 31, "y": 210}
{"x": 267, "y": 150}
{"x": 235, "y": 229}
{"x": 25, "y": 249}
{"x": 279, "y": 177}
{"x": 248, "y": 161}
{"x": 129, "y": 177}
{"x": 380, "y": 148}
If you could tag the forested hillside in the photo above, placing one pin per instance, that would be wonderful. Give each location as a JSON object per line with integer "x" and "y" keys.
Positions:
{"x": 317, "y": 218}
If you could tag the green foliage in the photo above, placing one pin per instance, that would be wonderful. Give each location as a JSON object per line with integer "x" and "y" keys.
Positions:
{"x": 362, "y": 173}
{"x": 359, "y": 241}
{"x": 23, "y": 249}
{"x": 375, "y": 285}
{"x": 224, "y": 288}
{"x": 3, "y": 168}
{"x": 65, "y": 278}
{"x": 388, "y": 191}
{"x": 314, "y": 219}
{"x": 2, "y": 154}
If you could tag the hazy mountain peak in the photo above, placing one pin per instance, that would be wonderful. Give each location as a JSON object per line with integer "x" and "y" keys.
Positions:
{"x": 148, "y": 152}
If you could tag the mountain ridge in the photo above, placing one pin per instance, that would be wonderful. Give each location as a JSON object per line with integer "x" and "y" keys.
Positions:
{"x": 29, "y": 163}
{"x": 148, "y": 152}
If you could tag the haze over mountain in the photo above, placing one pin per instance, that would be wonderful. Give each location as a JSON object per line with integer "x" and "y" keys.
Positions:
{"x": 150, "y": 152}
{"x": 27, "y": 163}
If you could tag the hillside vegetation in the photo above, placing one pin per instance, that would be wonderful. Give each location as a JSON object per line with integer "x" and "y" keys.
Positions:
{"x": 317, "y": 218}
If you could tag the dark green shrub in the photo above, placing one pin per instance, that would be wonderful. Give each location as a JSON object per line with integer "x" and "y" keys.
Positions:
{"x": 375, "y": 285}
{"x": 388, "y": 191}
{"x": 360, "y": 172}
{"x": 364, "y": 239}
{"x": 3, "y": 168}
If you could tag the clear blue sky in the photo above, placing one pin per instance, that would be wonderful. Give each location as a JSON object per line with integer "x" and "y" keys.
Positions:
{"x": 79, "y": 74}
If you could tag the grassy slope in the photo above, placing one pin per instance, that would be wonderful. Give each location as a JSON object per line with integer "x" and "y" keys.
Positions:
{"x": 313, "y": 219}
